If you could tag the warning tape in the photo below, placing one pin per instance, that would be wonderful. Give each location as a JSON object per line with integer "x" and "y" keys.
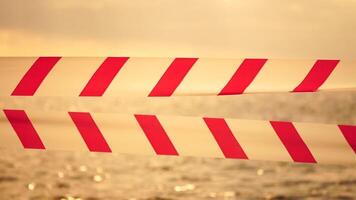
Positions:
{"x": 115, "y": 76}
{"x": 178, "y": 135}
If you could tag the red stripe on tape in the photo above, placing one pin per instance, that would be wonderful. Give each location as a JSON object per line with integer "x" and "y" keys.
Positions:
{"x": 243, "y": 76}
{"x": 317, "y": 76}
{"x": 172, "y": 77}
{"x": 33, "y": 78}
{"x": 103, "y": 76}
{"x": 225, "y": 138}
{"x": 292, "y": 141}
{"x": 90, "y": 132}
{"x": 156, "y": 135}
{"x": 24, "y": 129}
{"x": 349, "y": 133}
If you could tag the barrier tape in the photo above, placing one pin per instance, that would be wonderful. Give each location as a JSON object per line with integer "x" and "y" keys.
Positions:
{"x": 178, "y": 136}
{"x": 153, "y": 77}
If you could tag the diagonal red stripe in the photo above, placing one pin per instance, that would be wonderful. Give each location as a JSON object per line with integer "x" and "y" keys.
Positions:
{"x": 225, "y": 138}
{"x": 33, "y": 78}
{"x": 349, "y": 133}
{"x": 24, "y": 129}
{"x": 173, "y": 77}
{"x": 243, "y": 76}
{"x": 156, "y": 135}
{"x": 317, "y": 76}
{"x": 292, "y": 141}
{"x": 90, "y": 132}
{"x": 103, "y": 76}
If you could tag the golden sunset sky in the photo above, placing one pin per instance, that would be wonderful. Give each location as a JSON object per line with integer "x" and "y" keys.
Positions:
{"x": 160, "y": 28}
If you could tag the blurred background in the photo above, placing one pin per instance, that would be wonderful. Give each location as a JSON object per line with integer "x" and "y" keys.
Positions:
{"x": 158, "y": 28}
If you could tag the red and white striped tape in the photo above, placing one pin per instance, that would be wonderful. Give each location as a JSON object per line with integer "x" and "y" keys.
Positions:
{"x": 177, "y": 135}
{"x": 115, "y": 76}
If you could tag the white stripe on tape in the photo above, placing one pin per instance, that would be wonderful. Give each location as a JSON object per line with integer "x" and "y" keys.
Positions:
{"x": 124, "y": 76}
{"x": 177, "y": 135}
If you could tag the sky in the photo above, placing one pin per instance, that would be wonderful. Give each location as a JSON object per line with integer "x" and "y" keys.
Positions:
{"x": 179, "y": 28}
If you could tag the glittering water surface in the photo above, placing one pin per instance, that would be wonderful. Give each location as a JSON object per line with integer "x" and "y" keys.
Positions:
{"x": 78, "y": 176}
